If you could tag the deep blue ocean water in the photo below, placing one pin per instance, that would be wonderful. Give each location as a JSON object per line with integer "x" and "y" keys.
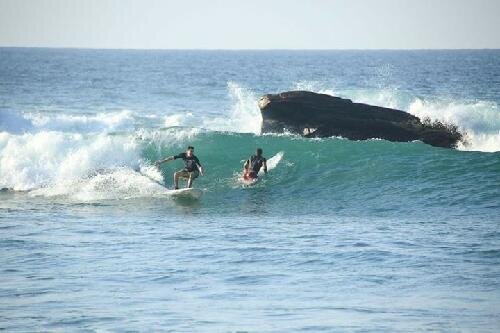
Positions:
{"x": 362, "y": 236}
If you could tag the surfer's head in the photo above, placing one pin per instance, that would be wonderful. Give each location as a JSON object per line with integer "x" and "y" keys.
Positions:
{"x": 259, "y": 151}
{"x": 190, "y": 151}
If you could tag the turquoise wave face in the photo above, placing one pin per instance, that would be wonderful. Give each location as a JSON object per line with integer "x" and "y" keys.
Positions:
{"x": 306, "y": 176}
{"x": 315, "y": 175}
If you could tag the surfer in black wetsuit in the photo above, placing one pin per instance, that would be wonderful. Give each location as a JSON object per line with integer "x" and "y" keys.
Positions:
{"x": 192, "y": 167}
{"x": 253, "y": 165}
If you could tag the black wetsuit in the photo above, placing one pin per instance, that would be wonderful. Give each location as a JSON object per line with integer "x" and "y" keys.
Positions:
{"x": 191, "y": 163}
{"x": 256, "y": 163}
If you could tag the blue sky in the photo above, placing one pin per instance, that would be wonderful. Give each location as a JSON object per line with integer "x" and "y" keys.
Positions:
{"x": 255, "y": 24}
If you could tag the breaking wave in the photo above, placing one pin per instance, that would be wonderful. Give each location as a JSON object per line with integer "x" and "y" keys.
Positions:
{"x": 100, "y": 156}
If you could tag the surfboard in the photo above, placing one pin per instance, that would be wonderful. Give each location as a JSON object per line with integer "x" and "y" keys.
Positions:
{"x": 187, "y": 193}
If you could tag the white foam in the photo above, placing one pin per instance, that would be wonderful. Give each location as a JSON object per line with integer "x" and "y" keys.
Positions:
{"x": 35, "y": 160}
{"x": 243, "y": 117}
{"x": 86, "y": 167}
{"x": 386, "y": 97}
{"x": 171, "y": 137}
{"x": 316, "y": 87}
{"x": 117, "y": 184}
{"x": 481, "y": 142}
{"x": 179, "y": 119}
{"x": 479, "y": 120}
{"x": 81, "y": 123}
{"x": 152, "y": 172}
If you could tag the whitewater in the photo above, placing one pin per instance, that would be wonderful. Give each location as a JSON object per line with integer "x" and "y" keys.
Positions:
{"x": 340, "y": 235}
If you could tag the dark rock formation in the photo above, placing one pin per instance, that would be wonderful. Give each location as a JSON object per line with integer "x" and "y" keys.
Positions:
{"x": 319, "y": 115}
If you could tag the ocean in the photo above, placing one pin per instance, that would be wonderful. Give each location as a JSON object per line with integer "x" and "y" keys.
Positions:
{"x": 339, "y": 236}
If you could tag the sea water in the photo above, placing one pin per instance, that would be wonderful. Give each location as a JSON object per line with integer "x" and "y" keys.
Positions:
{"x": 339, "y": 236}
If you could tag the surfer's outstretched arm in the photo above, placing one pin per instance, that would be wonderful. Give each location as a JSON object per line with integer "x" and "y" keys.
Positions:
{"x": 264, "y": 165}
{"x": 166, "y": 159}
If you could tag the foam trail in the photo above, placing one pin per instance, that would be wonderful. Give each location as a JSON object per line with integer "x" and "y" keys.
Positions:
{"x": 113, "y": 184}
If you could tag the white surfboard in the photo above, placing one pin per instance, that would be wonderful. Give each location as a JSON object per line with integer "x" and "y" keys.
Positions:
{"x": 187, "y": 193}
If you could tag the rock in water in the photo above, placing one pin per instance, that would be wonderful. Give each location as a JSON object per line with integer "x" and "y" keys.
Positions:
{"x": 320, "y": 115}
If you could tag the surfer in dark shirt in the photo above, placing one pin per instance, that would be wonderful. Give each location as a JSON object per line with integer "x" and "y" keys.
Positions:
{"x": 192, "y": 167}
{"x": 253, "y": 165}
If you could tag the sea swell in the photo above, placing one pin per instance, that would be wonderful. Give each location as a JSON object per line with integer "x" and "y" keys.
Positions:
{"x": 354, "y": 235}
{"x": 338, "y": 173}
{"x": 89, "y": 157}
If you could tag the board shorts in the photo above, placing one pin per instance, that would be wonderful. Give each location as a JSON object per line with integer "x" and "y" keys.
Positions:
{"x": 186, "y": 174}
{"x": 250, "y": 175}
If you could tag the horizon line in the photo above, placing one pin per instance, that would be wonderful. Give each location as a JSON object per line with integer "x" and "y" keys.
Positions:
{"x": 247, "y": 49}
